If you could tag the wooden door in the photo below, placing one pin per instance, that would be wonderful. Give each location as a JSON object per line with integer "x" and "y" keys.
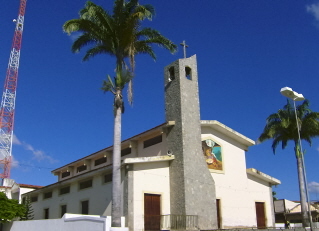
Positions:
{"x": 85, "y": 207}
{"x": 218, "y": 213}
{"x": 260, "y": 214}
{"x": 152, "y": 212}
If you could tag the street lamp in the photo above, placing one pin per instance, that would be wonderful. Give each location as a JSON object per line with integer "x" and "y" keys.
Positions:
{"x": 289, "y": 93}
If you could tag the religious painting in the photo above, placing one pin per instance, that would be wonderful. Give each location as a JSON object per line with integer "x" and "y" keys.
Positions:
{"x": 213, "y": 154}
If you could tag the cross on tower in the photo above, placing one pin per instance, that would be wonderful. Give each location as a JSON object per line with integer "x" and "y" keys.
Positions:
{"x": 184, "y": 48}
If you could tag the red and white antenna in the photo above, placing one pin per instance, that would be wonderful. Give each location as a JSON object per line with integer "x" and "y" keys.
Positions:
{"x": 9, "y": 95}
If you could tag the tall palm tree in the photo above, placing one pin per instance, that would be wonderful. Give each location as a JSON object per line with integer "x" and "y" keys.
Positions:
{"x": 119, "y": 35}
{"x": 281, "y": 127}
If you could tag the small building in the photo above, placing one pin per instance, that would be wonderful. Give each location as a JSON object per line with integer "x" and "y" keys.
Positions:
{"x": 14, "y": 190}
{"x": 289, "y": 212}
{"x": 185, "y": 171}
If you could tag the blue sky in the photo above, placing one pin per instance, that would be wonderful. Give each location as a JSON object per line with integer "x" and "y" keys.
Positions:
{"x": 246, "y": 50}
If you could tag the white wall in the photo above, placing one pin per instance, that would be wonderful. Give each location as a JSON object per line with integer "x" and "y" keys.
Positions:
{"x": 237, "y": 192}
{"x": 7, "y": 191}
{"x": 99, "y": 196}
{"x": 150, "y": 178}
{"x": 22, "y": 191}
{"x": 260, "y": 191}
{"x": 154, "y": 150}
{"x": 69, "y": 222}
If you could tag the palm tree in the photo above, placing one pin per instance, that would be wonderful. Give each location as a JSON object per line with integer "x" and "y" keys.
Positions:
{"x": 119, "y": 35}
{"x": 281, "y": 127}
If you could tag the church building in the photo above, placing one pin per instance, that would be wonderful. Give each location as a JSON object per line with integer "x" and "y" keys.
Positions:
{"x": 186, "y": 173}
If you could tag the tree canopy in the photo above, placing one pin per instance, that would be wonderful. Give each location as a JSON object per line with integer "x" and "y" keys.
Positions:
{"x": 119, "y": 34}
{"x": 10, "y": 208}
{"x": 281, "y": 126}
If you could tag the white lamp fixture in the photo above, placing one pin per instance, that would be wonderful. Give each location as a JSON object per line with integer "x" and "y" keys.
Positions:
{"x": 288, "y": 92}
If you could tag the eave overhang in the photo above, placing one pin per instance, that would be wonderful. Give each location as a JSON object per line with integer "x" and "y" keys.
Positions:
{"x": 263, "y": 176}
{"x": 216, "y": 125}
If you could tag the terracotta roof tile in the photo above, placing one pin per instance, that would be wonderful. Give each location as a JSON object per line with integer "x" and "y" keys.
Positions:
{"x": 30, "y": 186}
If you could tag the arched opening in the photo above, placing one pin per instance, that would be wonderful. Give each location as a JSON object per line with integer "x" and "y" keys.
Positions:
{"x": 171, "y": 71}
{"x": 188, "y": 73}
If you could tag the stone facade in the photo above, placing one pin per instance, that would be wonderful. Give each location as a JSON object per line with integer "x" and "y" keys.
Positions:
{"x": 190, "y": 179}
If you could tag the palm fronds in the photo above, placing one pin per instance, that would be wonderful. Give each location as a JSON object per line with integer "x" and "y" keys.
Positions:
{"x": 281, "y": 127}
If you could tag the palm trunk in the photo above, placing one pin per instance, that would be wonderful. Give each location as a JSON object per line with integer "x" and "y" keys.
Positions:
{"x": 302, "y": 188}
{"x": 116, "y": 179}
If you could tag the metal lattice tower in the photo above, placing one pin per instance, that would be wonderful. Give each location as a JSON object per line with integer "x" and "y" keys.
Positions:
{"x": 9, "y": 95}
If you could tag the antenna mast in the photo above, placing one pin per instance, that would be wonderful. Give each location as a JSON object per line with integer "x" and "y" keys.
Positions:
{"x": 9, "y": 96}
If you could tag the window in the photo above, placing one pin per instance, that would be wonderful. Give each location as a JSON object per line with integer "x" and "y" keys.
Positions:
{"x": 46, "y": 213}
{"x": 188, "y": 73}
{"x": 47, "y": 195}
{"x": 66, "y": 174}
{"x": 171, "y": 71}
{"x": 34, "y": 198}
{"x": 85, "y": 184}
{"x": 100, "y": 161}
{"x": 63, "y": 210}
{"x": 108, "y": 178}
{"x": 153, "y": 141}
{"x": 81, "y": 168}
{"x": 85, "y": 207}
{"x": 64, "y": 190}
{"x": 125, "y": 151}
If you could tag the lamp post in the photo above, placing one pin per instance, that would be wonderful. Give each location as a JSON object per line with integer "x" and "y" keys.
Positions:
{"x": 289, "y": 93}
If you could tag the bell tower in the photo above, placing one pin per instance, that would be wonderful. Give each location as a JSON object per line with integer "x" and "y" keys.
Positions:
{"x": 192, "y": 187}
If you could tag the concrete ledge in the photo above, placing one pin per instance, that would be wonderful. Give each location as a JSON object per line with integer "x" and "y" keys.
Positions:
{"x": 148, "y": 159}
{"x": 119, "y": 229}
{"x": 228, "y": 131}
{"x": 95, "y": 219}
{"x": 263, "y": 176}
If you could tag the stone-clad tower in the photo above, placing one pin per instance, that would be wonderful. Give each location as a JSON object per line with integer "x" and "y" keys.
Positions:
{"x": 192, "y": 188}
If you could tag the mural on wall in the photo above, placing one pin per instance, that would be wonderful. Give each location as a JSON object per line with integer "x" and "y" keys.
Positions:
{"x": 213, "y": 154}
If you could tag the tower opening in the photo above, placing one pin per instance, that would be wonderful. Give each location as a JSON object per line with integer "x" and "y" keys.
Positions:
{"x": 171, "y": 71}
{"x": 188, "y": 73}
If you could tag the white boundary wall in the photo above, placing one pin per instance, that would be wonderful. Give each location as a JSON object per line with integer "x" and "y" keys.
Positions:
{"x": 69, "y": 222}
